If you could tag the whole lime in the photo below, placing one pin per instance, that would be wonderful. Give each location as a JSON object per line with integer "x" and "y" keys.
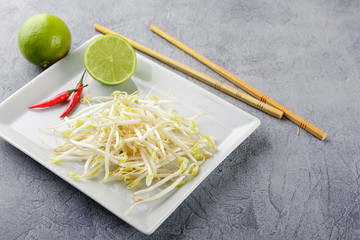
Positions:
{"x": 44, "y": 39}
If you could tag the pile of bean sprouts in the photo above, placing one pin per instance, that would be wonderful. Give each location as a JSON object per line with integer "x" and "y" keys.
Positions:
{"x": 134, "y": 140}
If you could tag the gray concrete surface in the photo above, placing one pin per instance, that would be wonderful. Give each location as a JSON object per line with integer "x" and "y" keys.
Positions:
{"x": 276, "y": 185}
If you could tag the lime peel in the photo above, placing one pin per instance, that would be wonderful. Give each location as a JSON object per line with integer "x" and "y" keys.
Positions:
{"x": 44, "y": 39}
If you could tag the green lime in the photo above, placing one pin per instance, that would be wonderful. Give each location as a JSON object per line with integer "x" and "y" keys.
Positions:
{"x": 110, "y": 59}
{"x": 44, "y": 39}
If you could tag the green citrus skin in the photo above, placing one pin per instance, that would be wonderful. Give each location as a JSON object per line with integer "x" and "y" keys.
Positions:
{"x": 110, "y": 59}
{"x": 44, "y": 39}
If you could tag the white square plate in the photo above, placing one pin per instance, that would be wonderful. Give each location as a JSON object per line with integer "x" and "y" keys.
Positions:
{"x": 20, "y": 126}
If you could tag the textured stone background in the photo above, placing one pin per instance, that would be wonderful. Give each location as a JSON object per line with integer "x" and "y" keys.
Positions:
{"x": 277, "y": 184}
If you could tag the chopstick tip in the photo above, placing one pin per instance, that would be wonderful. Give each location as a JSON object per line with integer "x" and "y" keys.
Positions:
{"x": 323, "y": 137}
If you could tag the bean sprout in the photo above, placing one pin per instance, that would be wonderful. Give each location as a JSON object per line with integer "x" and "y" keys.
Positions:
{"x": 136, "y": 141}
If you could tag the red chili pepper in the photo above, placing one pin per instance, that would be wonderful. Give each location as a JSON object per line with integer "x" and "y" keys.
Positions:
{"x": 61, "y": 97}
{"x": 75, "y": 98}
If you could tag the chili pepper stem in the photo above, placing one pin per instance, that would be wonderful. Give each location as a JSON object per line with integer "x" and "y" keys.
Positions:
{"x": 82, "y": 78}
{"x": 75, "y": 89}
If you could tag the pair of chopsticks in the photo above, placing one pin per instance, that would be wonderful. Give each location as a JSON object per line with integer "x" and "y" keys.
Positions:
{"x": 198, "y": 75}
{"x": 258, "y": 99}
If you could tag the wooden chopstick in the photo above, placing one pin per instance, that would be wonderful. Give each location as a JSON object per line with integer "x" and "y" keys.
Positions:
{"x": 243, "y": 85}
{"x": 200, "y": 76}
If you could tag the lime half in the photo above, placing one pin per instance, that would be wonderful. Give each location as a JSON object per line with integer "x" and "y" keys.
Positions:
{"x": 110, "y": 59}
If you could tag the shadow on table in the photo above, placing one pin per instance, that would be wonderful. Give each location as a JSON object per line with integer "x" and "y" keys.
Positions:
{"x": 225, "y": 192}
